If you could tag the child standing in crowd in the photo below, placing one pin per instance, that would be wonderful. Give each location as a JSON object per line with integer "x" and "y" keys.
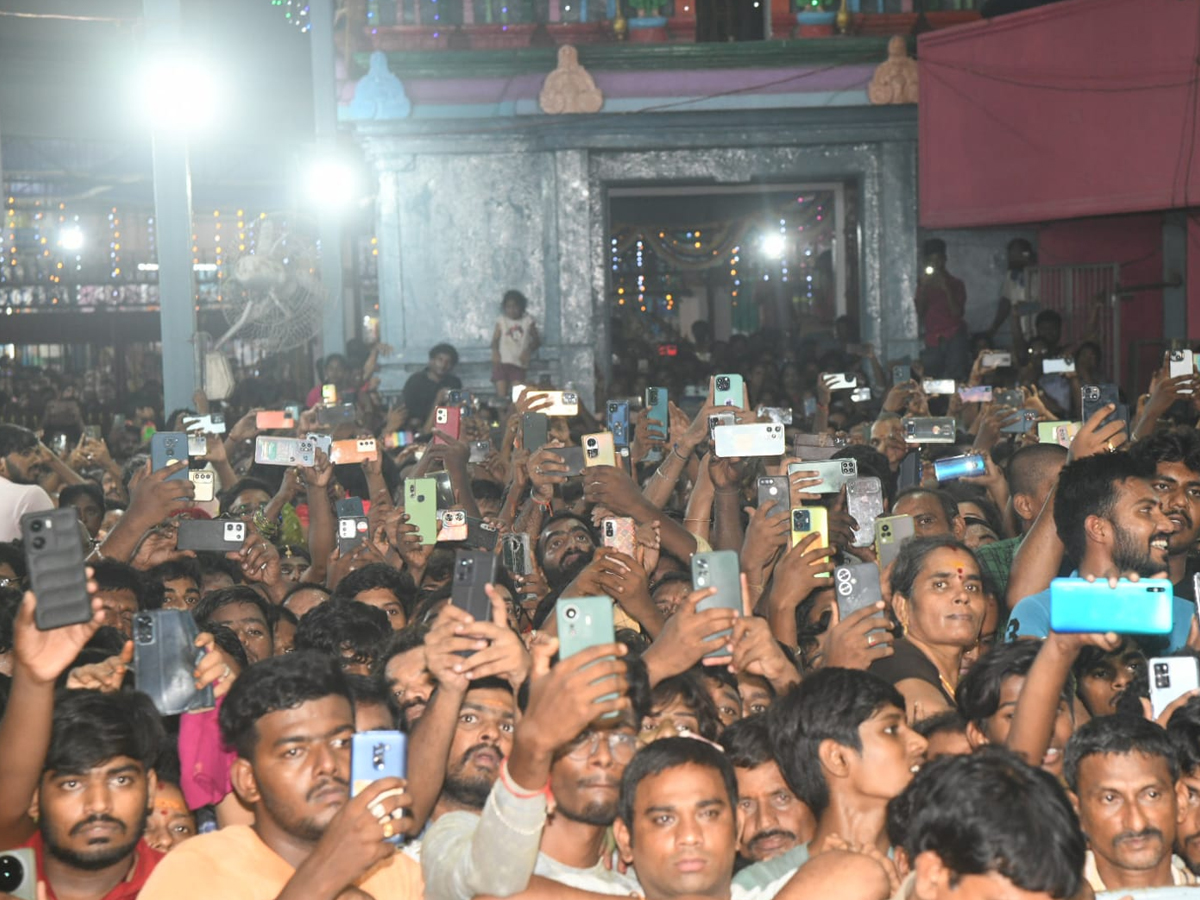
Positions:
{"x": 514, "y": 342}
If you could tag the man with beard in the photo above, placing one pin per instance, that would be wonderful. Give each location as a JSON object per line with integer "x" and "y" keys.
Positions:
{"x": 290, "y": 720}
{"x": 20, "y": 467}
{"x": 1175, "y": 455}
{"x": 1109, "y": 520}
{"x": 564, "y": 746}
{"x": 1122, "y": 773}
{"x": 83, "y": 762}
{"x": 401, "y": 664}
{"x": 564, "y": 548}
{"x": 1184, "y": 731}
{"x": 771, "y": 820}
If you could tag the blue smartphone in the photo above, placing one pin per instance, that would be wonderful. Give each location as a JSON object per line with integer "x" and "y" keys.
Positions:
{"x": 618, "y": 422}
{"x": 1079, "y": 606}
{"x": 166, "y": 446}
{"x": 656, "y": 409}
{"x": 728, "y": 390}
{"x": 952, "y": 467}
{"x": 375, "y": 755}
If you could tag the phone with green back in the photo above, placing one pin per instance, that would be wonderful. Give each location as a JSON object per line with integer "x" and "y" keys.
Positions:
{"x": 585, "y": 622}
{"x": 728, "y": 390}
{"x": 420, "y": 505}
{"x": 719, "y": 569}
{"x": 656, "y": 409}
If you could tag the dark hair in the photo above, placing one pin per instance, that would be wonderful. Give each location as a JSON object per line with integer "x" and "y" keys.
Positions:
{"x": 517, "y": 296}
{"x": 978, "y": 694}
{"x": 11, "y": 552}
{"x": 339, "y": 627}
{"x": 227, "y": 497}
{"x": 1089, "y": 487}
{"x": 966, "y": 492}
{"x": 111, "y": 575}
{"x": 213, "y": 601}
{"x": 15, "y": 439}
{"x": 1029, "y": 467}
{"x": 990, "y": 812}
{"x": 689, "y": 689}
{"x": 1047, "y": 315}
{"x": 10, "y": 602}
{"x": 933, "y": 245}
{"x": 226, "y": 638}
{"x": 1117, "y": 734}
{"x": 830, "y": 704}
{"x": 88, "y": 489}
{"x": 174, "y": 569}
{"x": 448, "y": 349}
{"x": 538, "y": 549}
{"x": 913, "y": 555}
{"x": 949, "y": 504}
{"x": 90, "y": 728}
{"x": 281, "y": 614}
{"x": 1184, "y": 731}
{"x": 212, "y": 563}
{"x": 366, "y": 689}
{"x": 948, "y": 722}
{"x": 671, "y": 753}
{"x": 378, "y": 575}
{"x": 747, "y": 743}
{"x": 1174, "y": 445}
{"x": 281, "y": 682}
{"x": 305, "y": 586}
{"x": 483, "y": 489}
{"x": 408, "y": 638}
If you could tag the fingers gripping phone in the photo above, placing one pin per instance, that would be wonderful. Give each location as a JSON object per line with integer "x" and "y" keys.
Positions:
{"x": 55, "y": 561}
{"x": 719, "y": 569}
{"x": 170, "y": 448}
{"x": 775, "y": 489}
{"x": 420, "y": 505}
{"x": 375, "y": 755}
{"x": 164, "y": 658}
{"x": 1132, "y": 607}
{"x": 864, "y": 502}
{"x": 585, "y": 622}
{"x": 473, "y": 571}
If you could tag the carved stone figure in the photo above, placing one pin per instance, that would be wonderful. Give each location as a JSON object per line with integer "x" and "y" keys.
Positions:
{"x": 895, "y": 81}
{"x": 569, "y": 88}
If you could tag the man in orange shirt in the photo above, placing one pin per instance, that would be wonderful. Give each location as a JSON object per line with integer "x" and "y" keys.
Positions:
{"x": 290, "y": 719}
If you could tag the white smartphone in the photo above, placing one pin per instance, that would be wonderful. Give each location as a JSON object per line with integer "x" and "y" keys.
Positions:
{"x": 1181, "y": 363}
{"x": 837, "y": 381}
{"x": 758, "y": 439}
{"x": 1170, "y": 678}
{"x": 993, "y": 359}
{"x": 942, "y": 386}
{"x": 1058, "y": 365}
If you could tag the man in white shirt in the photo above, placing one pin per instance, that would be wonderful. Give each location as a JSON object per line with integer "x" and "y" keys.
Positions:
{"x": 20, "y": 466}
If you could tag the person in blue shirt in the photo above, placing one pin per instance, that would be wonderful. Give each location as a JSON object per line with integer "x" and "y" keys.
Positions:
{"x": 1109, "y": 519}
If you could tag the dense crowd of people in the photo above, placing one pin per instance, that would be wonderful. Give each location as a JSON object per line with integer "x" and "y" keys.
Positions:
{"x": 891, "y": 701}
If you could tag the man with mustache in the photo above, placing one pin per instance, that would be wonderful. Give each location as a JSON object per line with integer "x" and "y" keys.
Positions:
{"x": 82, "y": 762}
{"x": 1184, "y": 731}
{"x": 1109, "y": 520}
{"x": 20, "y": 467}
{"x": 1175, "y": 455}
{"x": 564, "y": 549}
{"x": 1122, "y": 773}
{"x": 565, "y": 748}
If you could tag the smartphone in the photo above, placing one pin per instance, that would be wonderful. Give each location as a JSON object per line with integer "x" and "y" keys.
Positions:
{"x": 1011, "y": 398}
{"x": 447, "y": 419}
{"x": 395, "y": 440}
{"x": 860, "y": 394}
{"x": 562, "y": 403}
{"x": 840, "y": 381}
{"x": 322, "y": 442}
{"x": 891, "y": 534}
{"x": 420, "y": 505}
{"x": 808, "y": 520}
{"x": 929, "y": 430}
{"x": 517, "y": 390}
{"x": 170, "y": 448}
{"x": 978, "y": 394}
{"x": 473, "y": 571}
{"x": 775, "y": 489}
{"x": 572, "y": 458}
{"x": 352, "y": 531}
{"x": 810, "y": 407}
{"x": 817, "y": 446}
{"x": 598, "y": 450}
{"x": 213, "y": 423}
{"x": 780, "y": 415}
{"x": 479, "y": 451}
{"x": 951, "y": 467}
{"x": 857, "y": 587}
{"x": 18, "y": 871}
{"x": 219, "y": 535}
{"x": 901, "y": 372}
{"x": 1078, "y": 606}
{"x": 54, "y": 559}
{"x": 353, "y": 450}
{"x": 1058, "y": 365}
{"x": 1023, "y": 423}
{"x": 728, "y": 390}
{"x": 994, "y": 359}
{"x": 197, "y": 444}
{"x": 618, "y": 422}
{"x": 719, "y": 569}
{"x": 92, "y": 432}
{"x": 1095, "y": 396}
{"x": 203, "y": 485}
{"x": 864, "y": 501}
{"x": 719, "y": 420}
{"x": 284, "y": 451}
{"x": 835, "y": 474}
{"x": 618, "y": 532}
{"x": 943, "y": 386}
{"x": 657, "y": 409}
{"x": 1170, "y": 678}
{"x": 445, "y": 490}
{"x": 515, "y": 553}
{"x": 535, "y": 431}
{"x": 1061, "y": 433}
{"x": 329, "y": 394}
{"x": 336, "y": 415}
{"x": 481, "y": 535}
{"x": 164, "y": 656}
{"x": 757, "y": 439}
{"x": 910, "y": 474}
{"x": 585, "y": 622}
{"x": 459, "y": 398}
{"x": 454, "y": 525}
{"x": 273, "y": 418}
{"x": 375, "y": 755}
{"x": 1180, "y": 362}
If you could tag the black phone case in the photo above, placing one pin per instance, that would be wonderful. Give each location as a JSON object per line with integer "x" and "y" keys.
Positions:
{"x": 480, "y": 536}
{"x": 775, "y": 488}
{"x": 535, "y": 431}
{"x": 445, "y": 490}
{"x": 1102, "y": 395}
{"x": 336, "y": 415}
{"x": 164, "y": 657}
{"x": 55, "y": 560}
{"x": 348, "y": 508}
{"x": 910, "y": 471}
{"x": 208, "y": 534}
{"x": 347, "y": 544}
{"x": 473, "y": 570}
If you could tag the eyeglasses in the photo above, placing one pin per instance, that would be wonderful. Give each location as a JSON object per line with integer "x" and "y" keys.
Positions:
{"x": 620, "y": 745}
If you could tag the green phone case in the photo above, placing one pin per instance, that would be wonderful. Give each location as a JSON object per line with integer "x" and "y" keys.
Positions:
{"x": 585, "y": 622}
{"x": 420, "y": 505}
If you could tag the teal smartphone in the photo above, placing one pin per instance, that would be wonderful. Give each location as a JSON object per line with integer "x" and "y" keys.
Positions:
{"x": 420, "y": 504}
{"x": 1079, "y": 606}
{"x": 656, "y": 409}
{"x": 585, "y": 622}
{"x": 727, "y": 390}
{"x": 719, "y": 569}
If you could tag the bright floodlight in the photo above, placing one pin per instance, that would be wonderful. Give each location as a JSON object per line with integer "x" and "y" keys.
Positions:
{"x": 178, "y": 94}
{"x": 71, "y": 238}
{"x": 774, "y": 246}
{"x": 331, "y": 183}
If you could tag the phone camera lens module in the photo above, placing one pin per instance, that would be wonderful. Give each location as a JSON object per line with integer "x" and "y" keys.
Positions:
{"x": 571, "y": 612}
{"x": 39, "y": 543}
{"x": 35, "y": 525}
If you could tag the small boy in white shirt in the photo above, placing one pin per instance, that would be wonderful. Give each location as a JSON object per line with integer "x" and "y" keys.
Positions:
{"x": 514, "y": 341}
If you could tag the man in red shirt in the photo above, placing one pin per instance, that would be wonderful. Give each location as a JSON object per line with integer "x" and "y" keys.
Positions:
{"x": 941, "y": 301}
{"x": 86, "y": 757}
